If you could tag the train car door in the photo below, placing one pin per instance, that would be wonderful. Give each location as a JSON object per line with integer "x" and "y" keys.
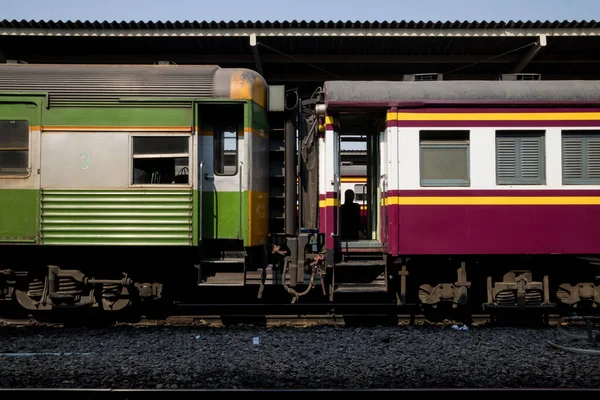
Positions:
{"x": 361, "y": 165}
{"x": 20, "y": 120}
{"x": 221, "y": 151}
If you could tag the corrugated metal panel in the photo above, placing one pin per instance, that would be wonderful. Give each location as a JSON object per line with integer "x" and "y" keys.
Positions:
{"x": 520, "y": 159}
{"x": 91, "y": 217}
{"x": 154, "y": 25}
{"x": 108, "y": 83}
{"x": 506, "y": 163}
{"x": 581, "y": 159}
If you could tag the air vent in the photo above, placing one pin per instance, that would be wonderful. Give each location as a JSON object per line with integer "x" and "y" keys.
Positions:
{"x": 423, "y": 77}
{"x": 520, "y": 77}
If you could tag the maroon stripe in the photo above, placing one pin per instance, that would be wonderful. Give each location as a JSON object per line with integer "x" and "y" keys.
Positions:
{"x": 340, "y": 104}
{"x": 499, "y": 110}
{"x": 332, "y": 195}
{"x": 329, "y": 127}
{"x": 392, "y": 123}
{"x": 393, "y": 229}
{"x": 322, "y": 196}
{"x": 496, "y": 192}
{"x": 475, "y": 124}
{"x": 499, "y": 230}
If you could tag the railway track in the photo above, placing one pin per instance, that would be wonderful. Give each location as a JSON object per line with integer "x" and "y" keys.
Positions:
{"x": 285, "y": 320}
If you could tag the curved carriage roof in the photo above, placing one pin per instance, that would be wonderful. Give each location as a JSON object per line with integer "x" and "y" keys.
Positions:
{"x": 398, "y": 93}
{"x": 111, "y": 83}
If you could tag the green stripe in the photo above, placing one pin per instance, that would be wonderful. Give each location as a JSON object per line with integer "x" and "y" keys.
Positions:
{"x": 118, "y": 116}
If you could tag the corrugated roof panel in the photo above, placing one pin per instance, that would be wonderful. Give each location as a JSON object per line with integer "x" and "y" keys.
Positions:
{"x": 42, "y": 24}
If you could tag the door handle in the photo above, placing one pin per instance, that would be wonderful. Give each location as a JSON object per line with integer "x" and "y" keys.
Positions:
{"x": 209, "y": 177}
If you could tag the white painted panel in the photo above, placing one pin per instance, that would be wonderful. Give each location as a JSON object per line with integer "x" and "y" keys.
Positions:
{"x": 408, "y": 158}
{"x": 82, "y": 160}
{"x": 482, "y": 155}
{"x": 553, "y": 156}
{"x": 322, "y": 162}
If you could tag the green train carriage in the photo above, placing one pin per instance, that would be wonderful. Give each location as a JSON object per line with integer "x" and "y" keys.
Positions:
{"x": 116, "y": 174}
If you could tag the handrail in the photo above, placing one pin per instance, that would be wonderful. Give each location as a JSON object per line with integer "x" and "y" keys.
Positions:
{"x": 384, "y": 216}
{"x": 200, "y": 196}
{"x": 241, "y": 197}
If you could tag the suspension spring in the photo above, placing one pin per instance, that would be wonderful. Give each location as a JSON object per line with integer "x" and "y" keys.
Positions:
{"x": 533, "y": 297}
{"x": 36, "y": 288}
{"x": 68, "y": 285}
{"x": 506, "y": 297}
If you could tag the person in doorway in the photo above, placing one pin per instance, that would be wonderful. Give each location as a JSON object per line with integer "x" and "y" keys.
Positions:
{"x": 350, "y": 217}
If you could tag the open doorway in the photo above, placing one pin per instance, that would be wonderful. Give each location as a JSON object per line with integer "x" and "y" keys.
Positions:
{"x": 359, "y": 177}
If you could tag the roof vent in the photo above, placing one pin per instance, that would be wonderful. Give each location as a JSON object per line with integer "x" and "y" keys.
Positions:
{"x": 15, "y": 62}
{"x": 165, "y": 63}
{"x": 520, "y": 77}
{"x": 423, "y": 77}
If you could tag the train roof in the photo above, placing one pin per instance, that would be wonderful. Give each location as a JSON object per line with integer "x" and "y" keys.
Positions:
{"x": 111, "y": 83}
{"x": 389, "y": 94}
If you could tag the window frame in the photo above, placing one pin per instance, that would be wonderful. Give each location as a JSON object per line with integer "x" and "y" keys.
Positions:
{"x": 520, "y": 134}
{"x": 237, "y": 148}
{"x": 424, "y": 182}
{"x": 577, "y": 134}
{"x": 189, "y": 156}
{"x": 28, "y": 167}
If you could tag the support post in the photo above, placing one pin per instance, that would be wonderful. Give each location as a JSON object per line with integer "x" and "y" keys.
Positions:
{"x": 290, "y": 176}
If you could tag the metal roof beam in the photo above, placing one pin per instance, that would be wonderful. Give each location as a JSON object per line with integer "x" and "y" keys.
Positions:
{"x": 86, "y": 31}
{"x": 530, "y": 55}
{"x": 298, "y": 58}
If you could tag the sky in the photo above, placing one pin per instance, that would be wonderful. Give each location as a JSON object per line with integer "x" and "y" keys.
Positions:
{"x": 279, "y": 10}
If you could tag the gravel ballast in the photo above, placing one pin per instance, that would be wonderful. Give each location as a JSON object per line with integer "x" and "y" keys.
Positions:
{"x": 285, "y": 357}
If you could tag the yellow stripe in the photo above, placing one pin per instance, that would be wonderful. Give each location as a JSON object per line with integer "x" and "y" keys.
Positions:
{"x": 258, "y": 221}
{"x": 329, "y": 119}
{"x": 493, "y": 200}
{"x": 51, "y": 128}
{"x": 356, "y": 180}
{"x": 566, "y": 116}
{"x": 329, "y": 203}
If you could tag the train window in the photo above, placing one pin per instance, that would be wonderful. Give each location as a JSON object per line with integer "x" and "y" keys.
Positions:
{"x": 161, "y": 160}
{"x": 225, "y": 145}
{"x": 14, "y": 148}
{"x": 520, "y": 158}
{"x": 444, "y": 158}
{"x": 581, "y": 157}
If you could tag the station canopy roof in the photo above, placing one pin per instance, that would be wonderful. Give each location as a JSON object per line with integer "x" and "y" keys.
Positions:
{"x": 304, "y": 54}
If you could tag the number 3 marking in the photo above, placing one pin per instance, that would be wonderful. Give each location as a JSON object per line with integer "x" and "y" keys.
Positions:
{"x": 85, "y": 163}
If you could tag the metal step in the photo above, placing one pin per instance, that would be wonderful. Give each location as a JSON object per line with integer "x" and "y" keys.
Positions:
{"x": 224, "y": 279}
{"x": 361, "y": 288}
{"x": 360, "y": 263}
{"x": 362, "y": 244}
{"x": 223, "y": 261}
